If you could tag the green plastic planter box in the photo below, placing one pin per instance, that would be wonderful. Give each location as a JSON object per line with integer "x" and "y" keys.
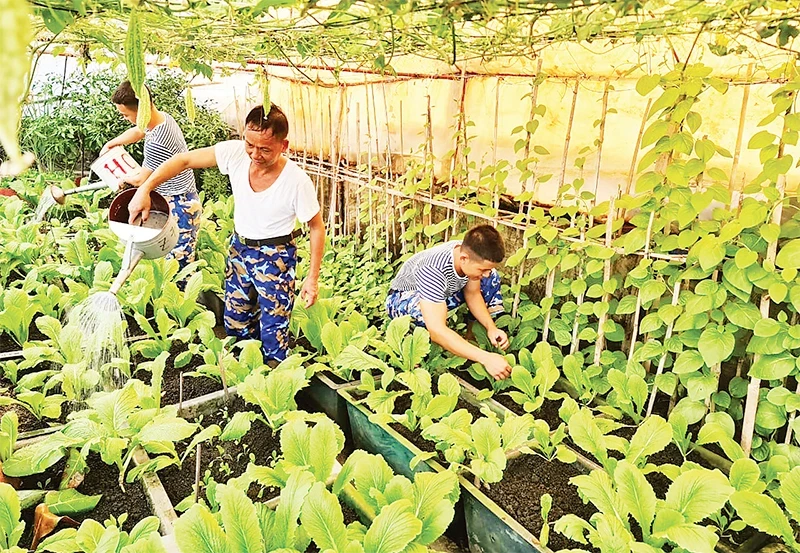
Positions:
{"x": 322, "y": 395}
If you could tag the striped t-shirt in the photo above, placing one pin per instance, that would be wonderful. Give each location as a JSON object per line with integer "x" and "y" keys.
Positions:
{"x": 161, "y": 143}
{"x": 431, "y": 273}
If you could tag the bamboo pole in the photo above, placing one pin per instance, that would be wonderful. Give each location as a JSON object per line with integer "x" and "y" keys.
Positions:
{"x": 716, "y": 370}
{"x": 455, "y": 164}
{"x": 429, "y": 140}
{"x": 371, "y": 228}
{"x": 601, "y": 323}
{"x": 600, "y": 140}
{"x": 389, "y": 214}
{"x": 526, "y": 153}
{"x": 676, "y": 291}
{"x": 358, "y": 164}
{"x": 548, "y": 293}
{"x": 403, "y": 162}
{"x": 333, "y": 195}
{"x": 637, "y": 313}
{"x": 740, "y": 131}
{"x": 568, "y": 138}
{"x": 636, "y": 147}
{"x": 751, "y": 403}
{"x": 495, "y": 185}
{"x": 579, "y": 301}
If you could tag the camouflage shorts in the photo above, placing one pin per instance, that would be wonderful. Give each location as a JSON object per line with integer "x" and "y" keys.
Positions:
{"x": 399, "y": 303}
{"x": 259, "y": 295}
{"x": 187, "y": 210}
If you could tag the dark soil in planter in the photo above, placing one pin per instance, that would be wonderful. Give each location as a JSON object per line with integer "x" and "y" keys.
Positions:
{"x": 101, "y": 479}
{"x": 415, "y": 436}
{"x": 224, "y": 460}
{"x": 525, "y": 480}
{"x": 27, "y": 422}
{"x": 170, "y": 386}
{"x": 8, "y": 343}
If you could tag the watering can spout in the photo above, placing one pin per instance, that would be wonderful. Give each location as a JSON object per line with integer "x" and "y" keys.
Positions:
{"x": 147, "y": 240}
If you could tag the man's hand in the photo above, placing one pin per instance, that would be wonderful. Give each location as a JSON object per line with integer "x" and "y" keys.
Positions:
{"x": 106, "y": 147}
{"x": 498, "y": 338}
{"x": 497, "y": 366}
{"x": 139, "y": 205}
{"x": 309, "y": 291}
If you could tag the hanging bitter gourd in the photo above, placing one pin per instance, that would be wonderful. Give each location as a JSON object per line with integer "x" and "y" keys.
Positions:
{"x": 134, "y": 60}
{"x": 263, "y": 82}
{"x": 189, "y": 99}
{"x": 16, "y": 32}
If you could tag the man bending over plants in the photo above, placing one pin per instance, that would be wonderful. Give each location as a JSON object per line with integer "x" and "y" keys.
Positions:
{"x": 162, "y": 140}
{"x": 445, "y": 276}
{"x": 270, "y": 192}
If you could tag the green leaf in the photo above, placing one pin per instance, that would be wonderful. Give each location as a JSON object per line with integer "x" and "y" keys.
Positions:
{"x": 323, "y": 520}
{"x": 773, "y": 367}
{"x": 789, "y": 255}
{"x": 744, "y": 474}
{"x": 790, "y": 491}
{"x": 715, "y": 345}
{"x": 652, "y": 436}
{"x": 636, "y": 494}
{"x": 393, "y": 529}
{"x": 238, "y": 426}
{"x": 10, "y": 526}
{"x": 240, "y": 520}
{"x": 598, "y": 488}
{"x": 742, "y": 314}
{"x": 761, "y": 512}
{"x": 434, "y": 495}
{"x": 647, "y": 83}
{"x": 760, "y": 140}
{"x": 197, "y": 531}
{"x": 688, "y": 362}
{"x": 70, "y": 502}
{"x": 698, "y": 493}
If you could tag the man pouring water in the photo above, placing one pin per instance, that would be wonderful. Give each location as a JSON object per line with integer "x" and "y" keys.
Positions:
{"x": 270, "y": 193}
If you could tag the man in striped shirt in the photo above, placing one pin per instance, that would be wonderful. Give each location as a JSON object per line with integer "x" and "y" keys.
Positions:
{"x": 441, "y": 278}
{"x": 162, "y": 140}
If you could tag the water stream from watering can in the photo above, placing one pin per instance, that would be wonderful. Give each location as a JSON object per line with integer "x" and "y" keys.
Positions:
{"x": 46, "y": 201}
{"x": 102, "y": 327}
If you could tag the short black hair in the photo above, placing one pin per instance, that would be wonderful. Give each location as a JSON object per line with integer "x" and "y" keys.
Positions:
{"x": 274, "y": 121}
{"x": 124, "y": 95}
{"x": 485, "y": 242}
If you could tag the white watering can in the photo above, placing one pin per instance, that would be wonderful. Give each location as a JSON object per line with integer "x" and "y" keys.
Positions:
{"x": 150, "y": 239}
{"x": 111, "y": 167}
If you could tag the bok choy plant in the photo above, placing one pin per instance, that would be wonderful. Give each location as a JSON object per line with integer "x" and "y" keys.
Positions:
{"x": 696, "y": 494}
{"x": 419, "y": 512}
{"x": 119, "y": 422}
{"x": 93, "y": 537}
{"x": 480, "y": 447}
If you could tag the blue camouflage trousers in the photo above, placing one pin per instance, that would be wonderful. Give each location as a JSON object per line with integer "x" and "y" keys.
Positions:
{"x": 399, "y": 303}
{"x": 259, "y": 295}
{"x": 187, "y": 210}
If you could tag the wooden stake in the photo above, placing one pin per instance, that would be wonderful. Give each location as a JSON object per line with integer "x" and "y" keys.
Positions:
{"x": 637, "y": 313}
{"x": 676, "y": 291}
{"x": 403, "y": 162}
{"x": 548, "y": 293}
{"x": 751, "y": 404}
{"x": 358, "y": 164}
{"x": 600, "y": 140}
{"x": 527, "y": 151}
{"x": 601, "y": 323}
{"x": 495, "y": 186}
{"x": 197, "y": 466}
{"x": 740, "y": 131}
{"x": 569, "y": 135}
{"x": 636, "y": 147}
{"x": 180, "y": 393}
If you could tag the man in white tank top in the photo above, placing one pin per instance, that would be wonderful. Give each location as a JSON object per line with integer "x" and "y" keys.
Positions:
{"x": 270, "y": 194}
